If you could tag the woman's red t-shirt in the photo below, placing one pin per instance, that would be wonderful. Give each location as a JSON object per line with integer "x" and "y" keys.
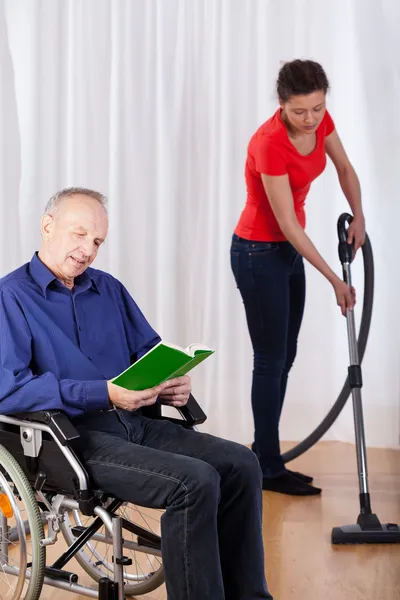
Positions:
{"x": 271, "y": 152}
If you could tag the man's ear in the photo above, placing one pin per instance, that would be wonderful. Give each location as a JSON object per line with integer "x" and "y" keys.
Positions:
{"x": 46, "y": 227}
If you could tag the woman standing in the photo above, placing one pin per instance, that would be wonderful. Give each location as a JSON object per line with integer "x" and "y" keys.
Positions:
{"x": 284, "y": 156}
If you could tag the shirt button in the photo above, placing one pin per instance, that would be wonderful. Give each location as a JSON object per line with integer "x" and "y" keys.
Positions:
{"x": 80, "y": 328}
{"x": 89, "y": 357}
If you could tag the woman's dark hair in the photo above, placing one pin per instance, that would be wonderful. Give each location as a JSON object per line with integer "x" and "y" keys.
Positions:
{"x": 300, "y": 77}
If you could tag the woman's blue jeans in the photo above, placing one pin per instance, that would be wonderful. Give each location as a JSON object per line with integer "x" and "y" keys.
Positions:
{"x": 271, "y": 280}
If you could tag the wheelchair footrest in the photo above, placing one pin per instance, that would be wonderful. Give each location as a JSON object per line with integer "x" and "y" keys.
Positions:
{"x": 108, "y": 590}
{"x": 145, "y": 541}
{"x": 78, "y": 530}
{"x": 61, "y": 575}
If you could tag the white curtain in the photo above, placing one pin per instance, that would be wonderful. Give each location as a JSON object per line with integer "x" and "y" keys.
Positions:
{"x": 153, "y": 103}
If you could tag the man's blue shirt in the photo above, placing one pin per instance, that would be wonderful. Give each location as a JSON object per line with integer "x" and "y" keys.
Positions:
{"x": 59, "y": 347}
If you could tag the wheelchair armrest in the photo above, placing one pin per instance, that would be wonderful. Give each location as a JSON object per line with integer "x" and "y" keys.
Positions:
{"x": 58, "y": 422}
{"x": 192, "y": 412}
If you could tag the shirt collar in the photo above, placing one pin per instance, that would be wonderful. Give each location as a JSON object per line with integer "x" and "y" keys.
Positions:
{"x": 43, "y": 277}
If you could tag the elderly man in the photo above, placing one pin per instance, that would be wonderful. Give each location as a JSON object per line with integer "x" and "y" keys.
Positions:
{"x": 65, "y": 331}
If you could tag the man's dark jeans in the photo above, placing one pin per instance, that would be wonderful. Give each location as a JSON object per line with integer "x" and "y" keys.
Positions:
{"x": 270, "y": 278}
{"x": 211, "y": 488}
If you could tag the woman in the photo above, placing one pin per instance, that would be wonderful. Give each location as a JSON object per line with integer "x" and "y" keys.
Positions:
{"x": 284, "y": 156}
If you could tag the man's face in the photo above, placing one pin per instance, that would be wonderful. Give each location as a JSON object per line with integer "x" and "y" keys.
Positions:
{"x": 73, "y": 235}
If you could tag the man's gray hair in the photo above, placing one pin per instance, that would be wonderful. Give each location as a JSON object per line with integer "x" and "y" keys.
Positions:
{"x": 55, "y": 201}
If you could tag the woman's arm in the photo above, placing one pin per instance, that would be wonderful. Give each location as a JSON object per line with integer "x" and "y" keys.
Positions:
{"x": 280, "y": 197}
{"x": 350, "y": 185}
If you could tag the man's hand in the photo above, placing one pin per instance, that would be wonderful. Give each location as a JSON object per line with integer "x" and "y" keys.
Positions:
{"x": 356, "y": 232}
{"x": 177, "y": 391}
{"x": 130, "y": 400}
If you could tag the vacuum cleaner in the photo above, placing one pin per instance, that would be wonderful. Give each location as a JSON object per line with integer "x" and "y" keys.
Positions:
{"x": 368, "y": 529}
{"x": 366, "y": 317}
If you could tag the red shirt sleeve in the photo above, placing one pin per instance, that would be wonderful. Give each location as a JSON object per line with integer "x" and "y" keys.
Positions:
{"x": 329, "y": 124}
{"x": 268, "y": 157}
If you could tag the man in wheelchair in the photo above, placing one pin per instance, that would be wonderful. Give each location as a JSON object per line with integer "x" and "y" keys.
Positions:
{"x": 65, "y": 331}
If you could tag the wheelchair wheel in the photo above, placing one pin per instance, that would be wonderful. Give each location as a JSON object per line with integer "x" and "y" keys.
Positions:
{"x": 20, "y": 552}
{"x": 146, "y": 572}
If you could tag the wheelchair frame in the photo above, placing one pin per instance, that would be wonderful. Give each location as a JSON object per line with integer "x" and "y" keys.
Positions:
{"x": 88, "y": 501}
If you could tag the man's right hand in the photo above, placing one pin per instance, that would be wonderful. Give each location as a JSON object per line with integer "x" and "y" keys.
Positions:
{"x": 131, "y": 400}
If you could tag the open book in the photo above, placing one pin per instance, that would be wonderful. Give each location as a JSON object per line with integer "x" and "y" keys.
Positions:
{"x": 164, "y": 361}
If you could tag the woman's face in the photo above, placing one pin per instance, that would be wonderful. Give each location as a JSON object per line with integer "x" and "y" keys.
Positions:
{"x": 305, "y": 113}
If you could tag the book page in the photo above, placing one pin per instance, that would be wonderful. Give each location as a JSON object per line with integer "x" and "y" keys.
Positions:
{"x": 193, "y": 348}
{"x": 176, "y": 347}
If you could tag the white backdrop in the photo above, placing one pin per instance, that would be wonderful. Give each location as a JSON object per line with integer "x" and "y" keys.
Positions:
{"x": 153, "y": 103}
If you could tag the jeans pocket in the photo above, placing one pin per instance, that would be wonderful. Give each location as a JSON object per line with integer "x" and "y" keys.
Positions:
{"x": 261, "y": 248}
{"x": 264, "y": 258}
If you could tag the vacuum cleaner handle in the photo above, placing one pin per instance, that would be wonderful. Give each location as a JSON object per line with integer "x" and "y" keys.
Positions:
{"x": 346, "y": 250}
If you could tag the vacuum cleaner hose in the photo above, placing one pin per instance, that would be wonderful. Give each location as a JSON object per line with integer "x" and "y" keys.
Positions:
{"x": 336, "y": 409}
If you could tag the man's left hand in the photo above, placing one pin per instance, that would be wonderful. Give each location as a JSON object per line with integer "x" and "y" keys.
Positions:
{"x": 177, "y": 391}
{"x": 356, "y": 232}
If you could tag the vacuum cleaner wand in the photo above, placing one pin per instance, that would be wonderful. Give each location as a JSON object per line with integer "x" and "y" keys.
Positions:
{"x": 368, "y": 529}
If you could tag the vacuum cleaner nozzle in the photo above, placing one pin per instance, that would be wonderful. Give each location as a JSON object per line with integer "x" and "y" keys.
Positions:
{"x": 368, "y": 530}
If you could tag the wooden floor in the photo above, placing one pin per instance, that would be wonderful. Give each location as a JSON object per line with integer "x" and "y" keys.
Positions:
{"x": 301, "y": 563}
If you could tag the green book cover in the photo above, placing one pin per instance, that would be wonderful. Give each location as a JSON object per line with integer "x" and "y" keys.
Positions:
{"x": 163, "y": 362}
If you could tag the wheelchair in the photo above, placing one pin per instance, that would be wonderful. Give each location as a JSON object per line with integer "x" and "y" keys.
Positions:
{"x": 45, "y": 491}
